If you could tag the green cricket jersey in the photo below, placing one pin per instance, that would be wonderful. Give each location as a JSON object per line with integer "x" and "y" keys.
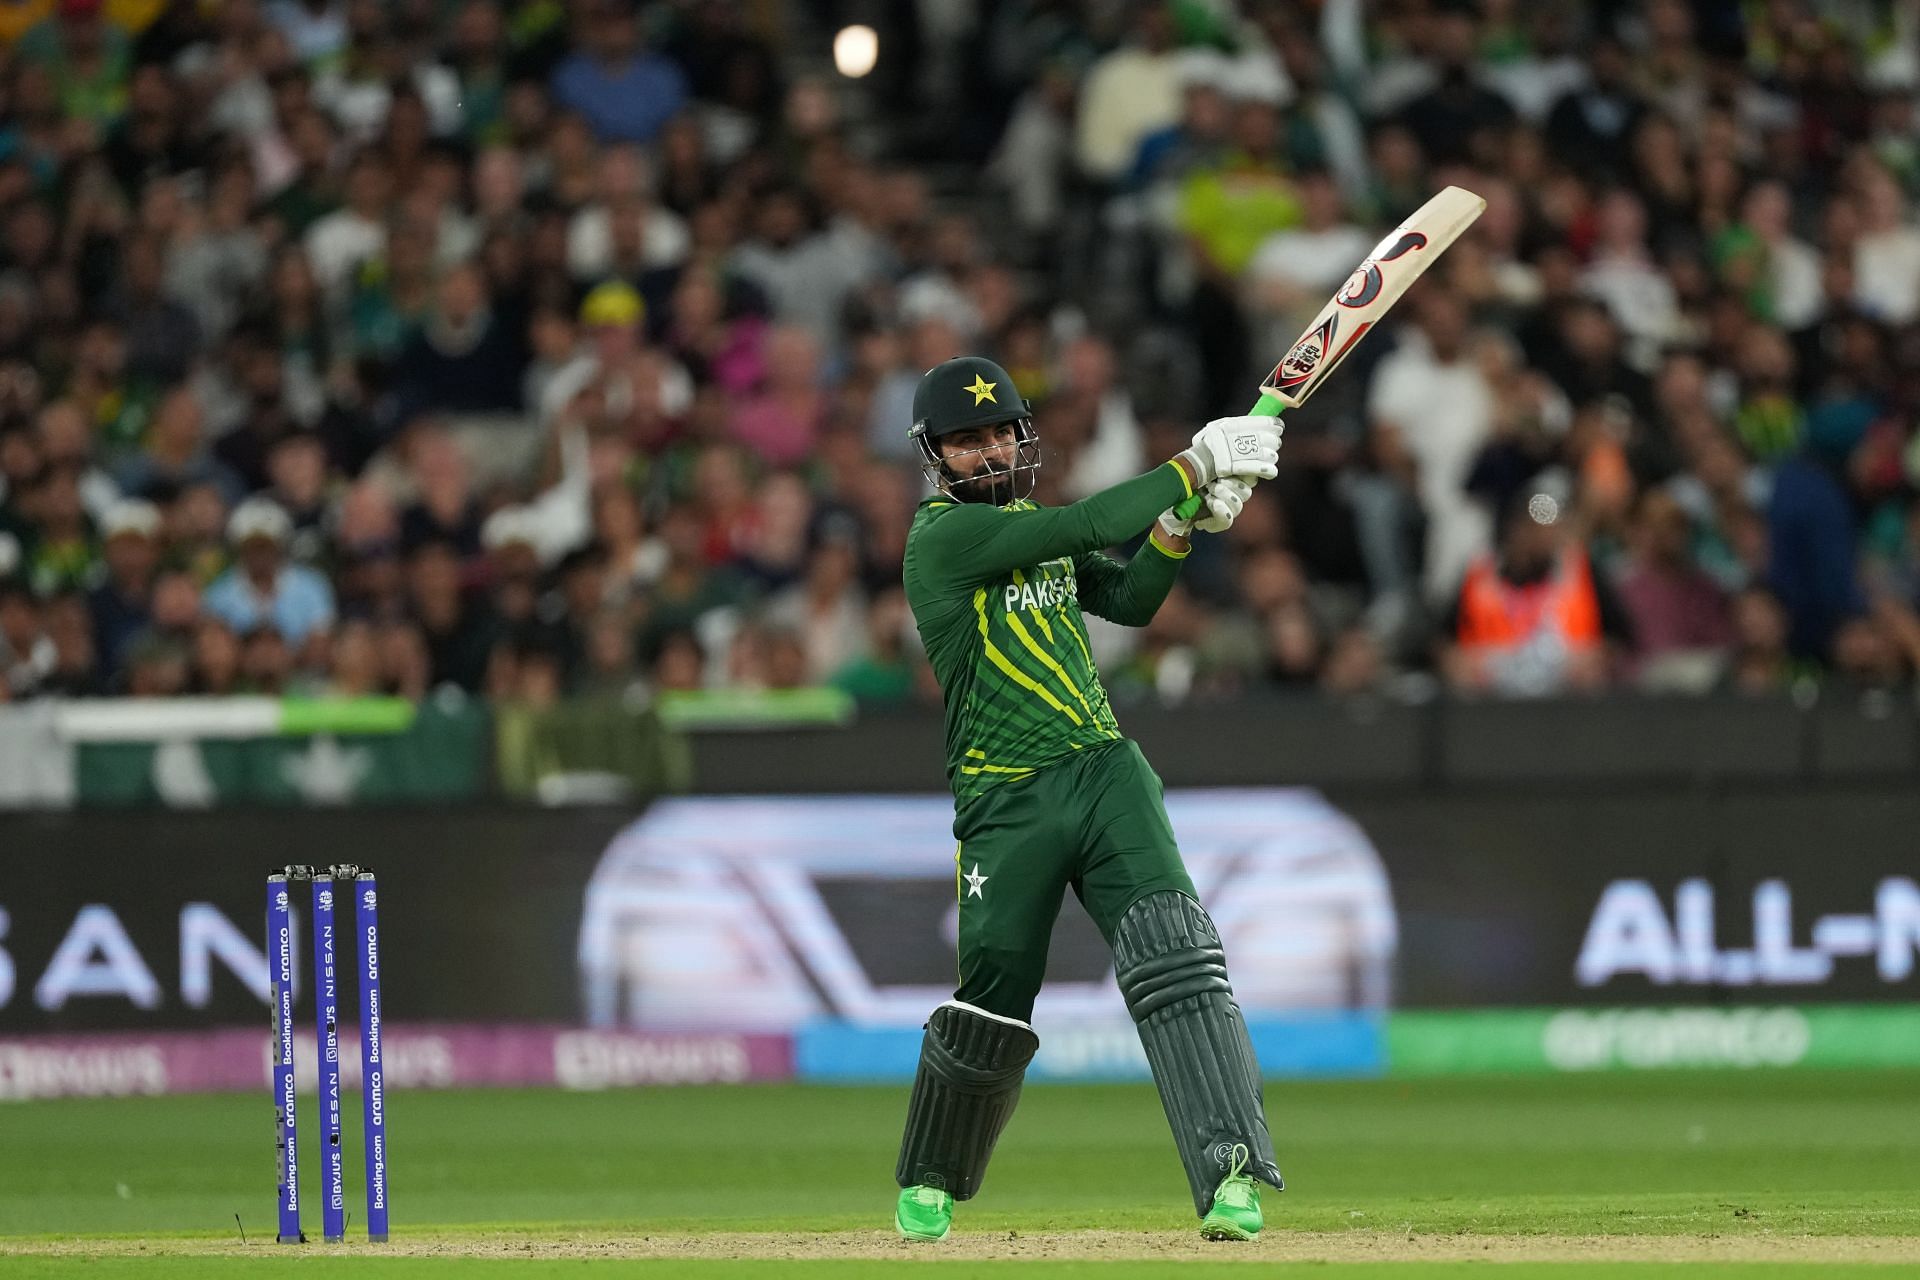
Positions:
{"x": 998, "y": 592}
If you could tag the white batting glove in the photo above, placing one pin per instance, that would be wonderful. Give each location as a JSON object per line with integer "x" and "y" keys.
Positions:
{"x": 1247, "y": 447}
{"x": 1224, "y": 501}
{"x": 1221, "y": 503}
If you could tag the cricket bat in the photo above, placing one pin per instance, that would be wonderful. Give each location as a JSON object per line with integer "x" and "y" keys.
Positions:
{"x": 1369, "y": 293}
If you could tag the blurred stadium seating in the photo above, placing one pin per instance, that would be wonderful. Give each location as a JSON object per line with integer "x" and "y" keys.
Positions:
{"x": 352, "y": 348}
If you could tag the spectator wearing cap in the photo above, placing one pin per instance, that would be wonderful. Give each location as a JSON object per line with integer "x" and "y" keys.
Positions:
{"x": 262, "y": 588}
{"x": 626, "y": 92}
{"x": 121, "y": 605}
{"x": 611, "y": 318}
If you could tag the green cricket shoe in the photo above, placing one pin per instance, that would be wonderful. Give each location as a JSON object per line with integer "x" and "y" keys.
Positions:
{"x": 926, "y": 1213}
{"x": 1236, "y": 1204}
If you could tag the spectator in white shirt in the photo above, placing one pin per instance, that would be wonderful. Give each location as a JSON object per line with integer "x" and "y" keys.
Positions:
{"x": 625, "y": 193}
{"x": 1886, "y": 257}
{"x": 1624, "y": 276}
{"x": 1294, "y": 271}
{"x": 1431, "y": 392}
{"x": 1116, "y": 446}
{"x": 1793, "y": 268}
{"x": 355, "y": 232}
{"x": 1127, "y": 95}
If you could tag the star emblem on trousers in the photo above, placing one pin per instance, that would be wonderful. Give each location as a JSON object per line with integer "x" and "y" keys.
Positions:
{"x": 974, "y": 880}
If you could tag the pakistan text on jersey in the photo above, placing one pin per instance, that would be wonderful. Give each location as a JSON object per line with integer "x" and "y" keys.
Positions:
{"x": 1043, "y": 594}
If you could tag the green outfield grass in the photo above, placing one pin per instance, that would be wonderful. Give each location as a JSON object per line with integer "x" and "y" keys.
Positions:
{"x": 694, "y": 1269}
{"x": 1757, "y": 1158}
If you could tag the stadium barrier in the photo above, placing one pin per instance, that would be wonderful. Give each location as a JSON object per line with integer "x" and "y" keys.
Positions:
{"x": 194, "y": 753}
{"x": 1519, "y": 929}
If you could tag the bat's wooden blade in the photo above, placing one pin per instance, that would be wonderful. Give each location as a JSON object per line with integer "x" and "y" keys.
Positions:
{"x": 1375, "y": 285}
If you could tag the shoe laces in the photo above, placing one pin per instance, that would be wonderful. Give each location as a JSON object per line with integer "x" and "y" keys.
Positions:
{"x": 1237, "y": 1187}
{"x": 931, "y": 1197}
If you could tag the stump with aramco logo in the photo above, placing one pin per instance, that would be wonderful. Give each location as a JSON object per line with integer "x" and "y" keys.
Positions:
{"x": 326, "y": 986}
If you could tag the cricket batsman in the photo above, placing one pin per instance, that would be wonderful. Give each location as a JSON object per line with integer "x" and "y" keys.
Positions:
{"x": 1048, "y": 794}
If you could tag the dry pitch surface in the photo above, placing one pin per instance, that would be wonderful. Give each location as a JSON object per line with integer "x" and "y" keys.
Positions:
{"x": 1278, "y": 1245}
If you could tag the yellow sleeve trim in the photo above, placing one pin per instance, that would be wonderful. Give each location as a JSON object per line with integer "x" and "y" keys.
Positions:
{"x": 1185, "y": 482}
{"x": 1153, "y": 540}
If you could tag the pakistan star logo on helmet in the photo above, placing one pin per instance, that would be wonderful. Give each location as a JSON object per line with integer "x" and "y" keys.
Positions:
{"x": 963, "y": 394}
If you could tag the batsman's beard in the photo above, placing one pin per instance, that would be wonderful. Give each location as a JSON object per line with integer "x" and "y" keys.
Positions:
{"x": 990, "y": 483}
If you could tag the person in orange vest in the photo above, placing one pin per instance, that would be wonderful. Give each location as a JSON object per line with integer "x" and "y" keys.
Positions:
{"x": 1534, "y": 619}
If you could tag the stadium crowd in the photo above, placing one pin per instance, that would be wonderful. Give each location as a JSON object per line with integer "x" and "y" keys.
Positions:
{"x": 535, "y": 347}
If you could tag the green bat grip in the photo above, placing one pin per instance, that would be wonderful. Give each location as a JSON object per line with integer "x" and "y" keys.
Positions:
{"x": 1266, "y": 406}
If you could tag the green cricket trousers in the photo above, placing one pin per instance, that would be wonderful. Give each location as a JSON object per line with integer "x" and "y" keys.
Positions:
{"x": 1095, "y": 821}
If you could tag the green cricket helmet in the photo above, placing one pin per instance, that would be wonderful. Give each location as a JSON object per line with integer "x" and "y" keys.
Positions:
{"x": 964, "y": 394}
